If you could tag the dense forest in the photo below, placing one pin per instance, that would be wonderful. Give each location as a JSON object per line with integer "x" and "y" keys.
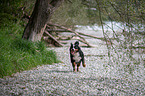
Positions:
{"x": 17, "y": 53}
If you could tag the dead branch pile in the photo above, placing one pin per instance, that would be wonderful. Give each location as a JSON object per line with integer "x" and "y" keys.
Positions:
{"x": 55, "y": 29}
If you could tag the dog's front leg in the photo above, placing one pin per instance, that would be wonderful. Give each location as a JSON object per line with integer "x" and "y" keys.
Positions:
{"x": 78, "y": 65}
{"x": 74, "y": 66}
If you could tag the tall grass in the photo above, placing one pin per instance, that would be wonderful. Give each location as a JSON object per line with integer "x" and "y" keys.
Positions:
{"x": 17, "y": 55}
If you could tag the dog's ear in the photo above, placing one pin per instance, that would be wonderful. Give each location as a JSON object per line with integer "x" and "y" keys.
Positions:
{"x": 77, "y": 43}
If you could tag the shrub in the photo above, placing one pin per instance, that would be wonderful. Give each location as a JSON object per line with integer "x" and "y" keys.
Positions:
{"x": 17, "y": 54}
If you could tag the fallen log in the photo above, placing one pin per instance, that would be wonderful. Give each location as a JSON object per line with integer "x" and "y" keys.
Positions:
{"x": 76, "y": 33}
{"x": 59, "y": 44}
{"x": 91, "y": 36}
{"x": 57, "y": 30}
{"x": 62, "y": 27}
{"x": 65, "y": 38}
{"x": 61, "y": 30}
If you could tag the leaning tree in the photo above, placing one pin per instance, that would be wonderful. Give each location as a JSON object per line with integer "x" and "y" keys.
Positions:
{"x": 40, "y": 16}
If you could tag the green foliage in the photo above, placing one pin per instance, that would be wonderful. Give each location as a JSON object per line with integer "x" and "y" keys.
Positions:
{"x": 71, "y": 13}
{"x": 13, "y": 10}
{"x": 84, "y": 12}
{"x": 17, "y": 54}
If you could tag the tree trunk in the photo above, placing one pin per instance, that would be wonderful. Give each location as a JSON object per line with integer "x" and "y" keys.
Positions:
{"x": 40, "y": 16}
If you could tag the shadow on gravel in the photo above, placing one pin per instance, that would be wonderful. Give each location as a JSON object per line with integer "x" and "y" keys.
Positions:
{"x": 59, "y": 71}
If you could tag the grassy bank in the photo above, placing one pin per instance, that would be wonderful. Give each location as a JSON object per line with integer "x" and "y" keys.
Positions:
{"x": 17, "y": 55}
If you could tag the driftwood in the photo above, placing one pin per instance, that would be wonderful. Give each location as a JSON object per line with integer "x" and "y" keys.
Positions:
{"x": 57, "y": 30}
{"x": 64, "y": 29}
{"x": 61, "y": 30}
{"x": 76, "y": 33}
{"x": 59, "y": 44}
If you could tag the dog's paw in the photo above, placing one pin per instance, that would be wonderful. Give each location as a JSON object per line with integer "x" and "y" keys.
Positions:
{"x": 84, "y": 65}
{"x": 74, "y": 71}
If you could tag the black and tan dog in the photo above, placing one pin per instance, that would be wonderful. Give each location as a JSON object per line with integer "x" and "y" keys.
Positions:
{"x": 76, "y": 56}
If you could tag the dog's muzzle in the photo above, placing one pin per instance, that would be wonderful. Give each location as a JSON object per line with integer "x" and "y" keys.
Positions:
{"x": 73, "y": 51}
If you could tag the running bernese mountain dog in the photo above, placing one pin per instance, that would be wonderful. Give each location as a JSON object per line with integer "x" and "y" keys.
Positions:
{"x": 76, "y": 56}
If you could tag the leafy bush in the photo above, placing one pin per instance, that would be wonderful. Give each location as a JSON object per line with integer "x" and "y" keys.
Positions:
{"x": 17, "y": 54}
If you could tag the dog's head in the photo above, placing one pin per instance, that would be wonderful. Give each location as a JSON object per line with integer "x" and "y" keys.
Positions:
{"x": 74, "y": 48}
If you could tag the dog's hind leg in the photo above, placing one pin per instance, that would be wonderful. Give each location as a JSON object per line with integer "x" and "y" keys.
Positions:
{"x": 84, "y": 65}
{"x": 83, "y": 62}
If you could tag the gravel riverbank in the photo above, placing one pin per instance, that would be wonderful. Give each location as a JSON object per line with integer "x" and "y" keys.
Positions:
{"x": 118, "y": 75}
{"x": 98, "y": 78}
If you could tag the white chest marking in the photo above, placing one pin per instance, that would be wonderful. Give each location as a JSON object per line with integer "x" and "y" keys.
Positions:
{"x": 77, "y": 57}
